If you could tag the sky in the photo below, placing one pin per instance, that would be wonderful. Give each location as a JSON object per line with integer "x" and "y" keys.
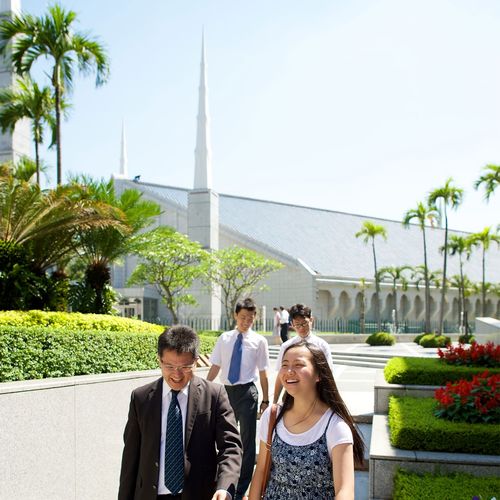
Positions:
{"x": 361, "y": 106}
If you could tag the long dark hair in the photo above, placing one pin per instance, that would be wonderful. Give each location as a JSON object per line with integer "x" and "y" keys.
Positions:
{"x": 329, "y": 394}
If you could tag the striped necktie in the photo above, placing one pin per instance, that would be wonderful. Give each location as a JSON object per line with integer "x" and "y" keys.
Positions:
{"x": 174, "y": 448}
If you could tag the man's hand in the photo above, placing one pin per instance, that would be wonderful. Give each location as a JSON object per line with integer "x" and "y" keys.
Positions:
{"x": 221, "y": 495}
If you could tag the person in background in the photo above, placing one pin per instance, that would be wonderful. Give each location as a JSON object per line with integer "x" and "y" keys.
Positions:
{"x": 314, "y": 440}
{"x": 284, "y": 319}
{"x": 302, "y": 323}
{"x": 181, "y": 439}
{"x": 241, "y": 356}
{"x": 276, "y": 324}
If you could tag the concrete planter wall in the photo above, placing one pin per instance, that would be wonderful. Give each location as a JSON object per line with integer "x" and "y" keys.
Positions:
{"x": 383, "y": 390}
{"x": 385, "y": 460}
{"x": 62, "y": 438}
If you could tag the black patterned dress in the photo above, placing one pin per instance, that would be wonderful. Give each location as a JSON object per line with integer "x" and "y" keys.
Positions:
{"x": 301, "y": 472}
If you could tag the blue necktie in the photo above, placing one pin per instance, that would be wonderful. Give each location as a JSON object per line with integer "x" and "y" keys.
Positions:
{"x": 235, "y": 366}
{"x": 174, "y": 449}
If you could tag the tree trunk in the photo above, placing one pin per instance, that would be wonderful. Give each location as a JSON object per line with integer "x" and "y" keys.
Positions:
{"x": 37, "y": 163}
{"x": 395, "y": 308}
{"x": 377, "y": 289}
{"x": 362, "y": 313}
{"x": 461, "y": 295}
{"x": 427, "y": 324}
{"x": 57, "y": 88}
{"x": 443, "y": 286}
{"x": 483, "y": 308}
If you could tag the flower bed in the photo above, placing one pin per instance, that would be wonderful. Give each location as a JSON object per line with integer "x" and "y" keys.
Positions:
{"x": 414, "y": 426}
{"x": 413, "y": 486}
{"x": 425, "y": 371}
{"x": 487, "y": 355}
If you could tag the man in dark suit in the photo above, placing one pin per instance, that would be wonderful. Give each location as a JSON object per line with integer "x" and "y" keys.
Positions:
{"x": 181, "y": 439}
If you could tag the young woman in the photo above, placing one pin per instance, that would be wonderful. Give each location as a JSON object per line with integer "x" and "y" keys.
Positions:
{"x": 315, "y": 442}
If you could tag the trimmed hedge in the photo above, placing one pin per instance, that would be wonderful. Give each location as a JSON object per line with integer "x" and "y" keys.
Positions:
{"x": 76, "y": 321}
{"x": 432, "y": 340}
{"x": 414, "y": 427}
{"x": 429, "y": 371}
{"x": 381, "y": 338}
{"x": 459, "y": 486}
{"x": 37, "y": 352}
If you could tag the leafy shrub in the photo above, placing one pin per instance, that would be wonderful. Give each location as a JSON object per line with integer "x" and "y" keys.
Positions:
{"x": 418, "y": 337}
{"x": 432, "y": 340}
{"x": 413, "y": 486}
{"x": 428, "y": 371}
{"x": 477, "y": 400}
{"x": 381, "y": 338}
{"x": 83, "y": 298}
{"x": 476, "y": 355}
{"x": 210, "y": 333}
{"x": 39, "y": 352}
{"x": 76, "y": 321}
{"x": 413, "y": 426}
{"x": 466, "y": 339}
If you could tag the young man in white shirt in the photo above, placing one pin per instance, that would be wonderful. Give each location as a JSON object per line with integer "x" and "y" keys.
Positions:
{"x": 302, "y": 323}
{"x": 284, "y": 319}
{"x": 241, "y": 356}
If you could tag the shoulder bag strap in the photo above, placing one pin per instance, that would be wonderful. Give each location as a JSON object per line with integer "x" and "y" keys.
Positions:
{"x": 267, "y": 467}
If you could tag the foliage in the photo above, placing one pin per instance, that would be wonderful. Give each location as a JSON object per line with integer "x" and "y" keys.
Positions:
{"x": 476, "y": 400}
{"x": 476, "y": 355}
{"x": 419, "y": 337}
{"x": 26, "y": 38}
{"x": 414, "y": 486}
{"x": 171, "y": 262}
{"x": 395, "y": 275}
{"x": 28, "y": 100}
{"x": 368, "y": 232}
{"x": 433, "y": 340}
{"x": 381, "y": 338}
{"x": 466, "y": 339}
{"x": 413, "y": 426}
{"x": 235, "y": 272}
{"x": 75, "y": 321}
{"x": 41, "y": 352}
{"x": 490, "y": 179}
{"x": 427, "y": 371}
{"x": 83, "y": 298}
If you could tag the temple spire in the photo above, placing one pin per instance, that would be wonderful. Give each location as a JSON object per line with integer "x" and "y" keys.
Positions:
{"x": 203, "y": 154}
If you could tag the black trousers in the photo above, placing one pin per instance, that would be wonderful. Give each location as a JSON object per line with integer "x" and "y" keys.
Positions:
{"x": 284, "y": 331}
{"x": 244, "y": 400}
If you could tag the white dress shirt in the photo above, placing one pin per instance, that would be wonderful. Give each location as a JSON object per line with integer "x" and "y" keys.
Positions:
{"x": 312, "y": 339}
{"x": 254, "y": 356}
{"x": 166, "y": 398}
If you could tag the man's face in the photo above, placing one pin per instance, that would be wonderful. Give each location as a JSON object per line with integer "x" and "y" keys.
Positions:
{"x": 177, "y": 369}
{"x": 302, "y": 325}
{"x": 244, "y": 320}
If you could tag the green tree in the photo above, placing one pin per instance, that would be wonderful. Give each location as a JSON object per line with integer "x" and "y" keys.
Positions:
{"x": 52, "y": 36}
{"x": 423, "y": 213}
{"x": 460, "y": 245}
{"x": 484, "y": 239}
{"x": 235, "y": 272}
{"x": 100, "y": 247}
{"x": 490, "y": 179}
{"x": 171, "y": 262}
{"x": 451, "y": 197}
{"x": 395, "y": 275}
{"x": 369, "y": 231}
{"x": 28, "y": 100}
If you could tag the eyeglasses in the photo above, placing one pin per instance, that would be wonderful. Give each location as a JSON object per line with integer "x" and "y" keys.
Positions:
{"x": 300, "y": 325}
{"x": 173, "y": 368}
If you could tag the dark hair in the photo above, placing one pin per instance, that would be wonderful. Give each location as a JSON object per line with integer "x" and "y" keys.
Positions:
{"x": 329, "y": 394}
{"x": 179, "y": 338}
{"x": 300, "y": 310}
{"x": 282, "y": 308}
{"x": 247, "y": 304}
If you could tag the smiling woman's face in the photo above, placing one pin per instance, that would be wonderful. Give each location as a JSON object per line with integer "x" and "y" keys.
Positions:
{"x": 297, "y": 372}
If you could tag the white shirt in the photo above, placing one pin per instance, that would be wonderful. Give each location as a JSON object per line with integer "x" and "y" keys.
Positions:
{"x": 338, "y": 431}
{"x": 254, "y": 356}
{"x": 166, "y": 398}
{"x": 312, "y": 339}
{"x": 284, "y": 316}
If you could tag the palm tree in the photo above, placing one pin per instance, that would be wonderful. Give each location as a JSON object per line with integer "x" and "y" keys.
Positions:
{"x": 423, "y": 213}
{"x": 28, "y": 38}
{"x": 460, "y": 245}
{"x": 450, "y": 196}
{"x": 484, "y": 239}
{"x": 100, "y": 247}
{"x": 363, "y": 285}
{"x": 369, "y": 231}
{"x": 395, "y": 274}
{"x": 28, "y": 100}
{"x": 490, "y": 179}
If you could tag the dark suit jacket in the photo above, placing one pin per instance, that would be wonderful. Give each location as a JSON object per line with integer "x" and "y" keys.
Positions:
{"x": 210, "y": 423}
